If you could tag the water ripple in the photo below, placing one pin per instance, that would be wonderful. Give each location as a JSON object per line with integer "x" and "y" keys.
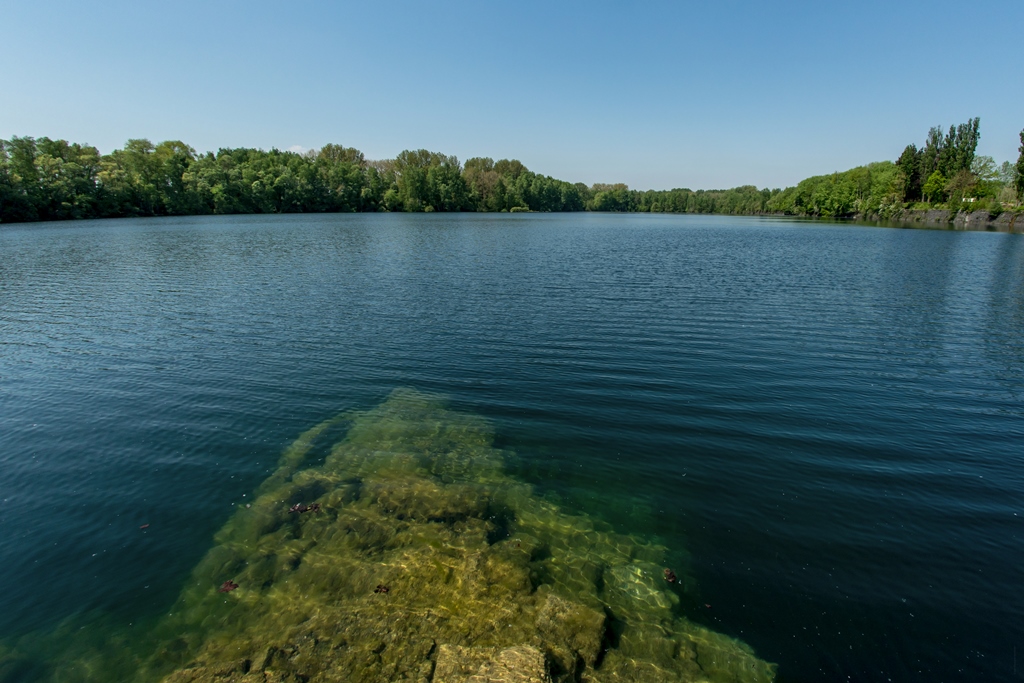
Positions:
{"x": 824, "y": 421}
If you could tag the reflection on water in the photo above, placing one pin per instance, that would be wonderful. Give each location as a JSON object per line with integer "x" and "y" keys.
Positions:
{"x": 408, "y": 555}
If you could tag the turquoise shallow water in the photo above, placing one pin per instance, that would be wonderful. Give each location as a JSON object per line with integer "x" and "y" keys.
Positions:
{"x": 823, "y": 421}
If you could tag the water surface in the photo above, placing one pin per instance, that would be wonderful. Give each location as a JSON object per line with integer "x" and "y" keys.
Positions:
{"x": 821, "y": 421}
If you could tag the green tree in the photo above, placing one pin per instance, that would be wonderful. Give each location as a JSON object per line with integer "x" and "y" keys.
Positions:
{"x": 950, "y": 153}
{"x": 961, "y": 143}
{"x": 607, "y": 197}
{"x": 510, "y": 168}
{"x": 417, "y": 188}
{"x": 129, "y": 180}
{"x": 482, "y": 181}
{"x": 987, "y": 182}
{"x": 864, "y": 190}
{"x": 66, "y": 178}
{"x": 342, "y": 172}
{"x": 961, "y": 186}
{"x": 171, "y": 160}
{"x": 379, "y": 180}
{"x": 17, "y": 157}
{"x": 1019, "y": 184}
{"x": 446, "y": 188}
{"x": 1007, "y": 174}
{"x": 909, "y": 178}
{"x": 984, "y": 168}
{"x": 934, "y": 189}
{"x": 934, "y": 149}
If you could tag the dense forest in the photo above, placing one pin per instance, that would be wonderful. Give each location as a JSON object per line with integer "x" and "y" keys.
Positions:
{"x": 44, "y": 179}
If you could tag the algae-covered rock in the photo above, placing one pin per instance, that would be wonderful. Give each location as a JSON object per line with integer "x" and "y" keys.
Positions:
{"x": 571, "y": 633}
{"x": 520, "y": 664}
{"x": 424, "y": 561}
{"x": 410, "y": 555}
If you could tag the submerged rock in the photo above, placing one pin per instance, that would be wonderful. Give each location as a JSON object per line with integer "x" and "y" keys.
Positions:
{"x": 484, "y": 580}
{"x": 520, "y": 664}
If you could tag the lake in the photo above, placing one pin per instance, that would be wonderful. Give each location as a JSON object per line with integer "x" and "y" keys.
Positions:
{"x": 821, "y": 425}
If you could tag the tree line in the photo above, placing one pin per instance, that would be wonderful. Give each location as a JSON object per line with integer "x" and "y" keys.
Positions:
{"x": 944, "y": 173}
{"x": 44, "y": 179}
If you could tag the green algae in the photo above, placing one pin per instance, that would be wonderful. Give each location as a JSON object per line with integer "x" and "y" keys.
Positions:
{"x": 485, "y": 580}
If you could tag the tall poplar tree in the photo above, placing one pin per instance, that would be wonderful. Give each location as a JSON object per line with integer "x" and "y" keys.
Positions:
{"x": 910, "y": 180}
{"x": 1020, "y": 171}
{"x": 961, "y": 144}
{"x": 933, "y": 150}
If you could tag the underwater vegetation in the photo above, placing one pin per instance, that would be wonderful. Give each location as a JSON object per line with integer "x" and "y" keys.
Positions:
{"x": 411, "y": 555}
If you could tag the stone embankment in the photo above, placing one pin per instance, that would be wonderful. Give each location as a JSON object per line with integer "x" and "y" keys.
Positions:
{"x": 1007, "y": 221}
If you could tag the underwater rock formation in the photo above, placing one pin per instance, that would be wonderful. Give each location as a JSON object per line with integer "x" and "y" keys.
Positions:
{"x": 485, "y": 581}
{"x": 419, "y": 559}
{"x": 521, "y": 664}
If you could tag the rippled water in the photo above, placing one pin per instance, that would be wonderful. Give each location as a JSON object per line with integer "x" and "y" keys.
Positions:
{"x": 826, "y": 418}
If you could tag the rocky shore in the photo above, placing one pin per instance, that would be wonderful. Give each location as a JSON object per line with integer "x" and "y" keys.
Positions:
{"x": 1007, "y": 221}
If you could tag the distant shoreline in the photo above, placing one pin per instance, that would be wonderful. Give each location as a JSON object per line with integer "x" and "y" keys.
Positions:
{"x": 50, "y": 180}
{"x": 935, "y": 219}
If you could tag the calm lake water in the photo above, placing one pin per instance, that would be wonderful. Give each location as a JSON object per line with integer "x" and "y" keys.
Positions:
{"x": 827, "y": 419}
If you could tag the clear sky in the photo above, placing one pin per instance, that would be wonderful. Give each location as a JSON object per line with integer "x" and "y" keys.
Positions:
{"x": 657, "y": 95}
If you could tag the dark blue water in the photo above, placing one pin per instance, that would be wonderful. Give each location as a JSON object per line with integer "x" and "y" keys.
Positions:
{"x": 829, "y": 419}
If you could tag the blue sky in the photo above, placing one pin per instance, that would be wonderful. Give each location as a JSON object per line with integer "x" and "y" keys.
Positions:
{"x": 655, "y": 94}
